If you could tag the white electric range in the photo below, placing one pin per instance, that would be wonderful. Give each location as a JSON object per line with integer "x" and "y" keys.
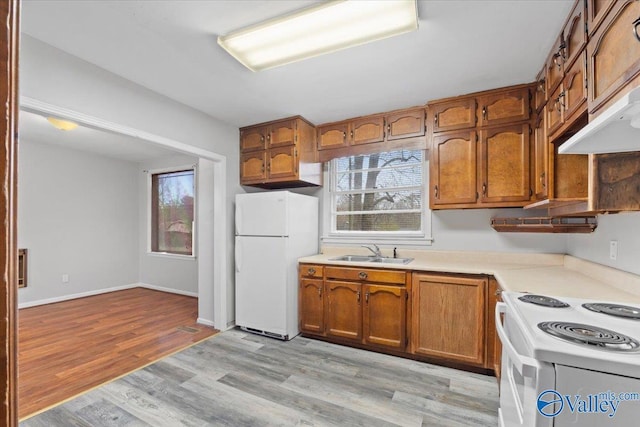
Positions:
{"x": 568, "y": 362}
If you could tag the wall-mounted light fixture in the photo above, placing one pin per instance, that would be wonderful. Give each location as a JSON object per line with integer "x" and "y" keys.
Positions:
{"x": 62, "y": 124}
{"x": 321, "y": 29}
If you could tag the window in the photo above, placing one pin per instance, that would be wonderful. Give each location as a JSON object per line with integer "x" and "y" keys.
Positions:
{"x": 172, "y": 208}
{"x": 381, "y": 194}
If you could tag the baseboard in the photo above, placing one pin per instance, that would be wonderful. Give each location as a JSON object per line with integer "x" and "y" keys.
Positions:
{"x": 169, "y": 290}
{"x": 74, "y": 296}
{"x": 107, "y": 290}
{"x": 205, "y": 322}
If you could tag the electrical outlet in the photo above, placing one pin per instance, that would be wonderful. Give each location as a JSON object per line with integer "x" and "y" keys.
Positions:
{"x": 613, "y": 249}
{"x": 65, "y": 278}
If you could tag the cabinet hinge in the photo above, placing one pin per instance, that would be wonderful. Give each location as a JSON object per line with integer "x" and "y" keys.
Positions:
{"x": 477, "y": 195}
{"x": 586, "y": 28}
{"x": 476, "y": 137}
{"x": 406, "y": 341}
{"x": 406, "y": 296}
{"x": 530, "y": 131}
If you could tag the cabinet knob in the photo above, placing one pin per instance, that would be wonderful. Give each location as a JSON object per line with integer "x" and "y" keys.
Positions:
{"x": 484, "y": 189}
{"x": 320, "y": 292}
{"x": 363, "y": 275}
{"x": 311, "y": 271}
{"x": 484, "y": 113}
{"x": 635, "y": 24}
{"x": 366, "y": 297}
{"x": 435, "y": 191}
{"x": 358, "y": 296}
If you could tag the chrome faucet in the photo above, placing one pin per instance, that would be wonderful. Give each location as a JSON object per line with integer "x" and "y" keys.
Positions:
{"x": 375, "y": 251}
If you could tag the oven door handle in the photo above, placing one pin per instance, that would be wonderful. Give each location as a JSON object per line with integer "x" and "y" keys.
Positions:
{"x": 518, "y": 360}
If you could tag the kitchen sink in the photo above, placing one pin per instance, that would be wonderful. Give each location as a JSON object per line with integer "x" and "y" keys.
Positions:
{"x": 371, "y": 258}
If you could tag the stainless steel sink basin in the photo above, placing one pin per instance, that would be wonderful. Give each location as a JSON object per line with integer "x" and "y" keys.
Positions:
{"x": 371, "y": 258}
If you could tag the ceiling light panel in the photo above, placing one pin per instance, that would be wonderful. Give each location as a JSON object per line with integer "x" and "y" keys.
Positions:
{"x": 318, "y": 30}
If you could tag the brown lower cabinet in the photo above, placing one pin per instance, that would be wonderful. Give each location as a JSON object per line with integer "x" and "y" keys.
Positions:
{"x": 436, "y": 317}
{"x": 449, "y": 317}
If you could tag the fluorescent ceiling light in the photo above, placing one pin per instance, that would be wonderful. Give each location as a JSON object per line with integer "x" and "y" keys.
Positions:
{"x": 62, "y": 124}
{"x": 329, "y": 27}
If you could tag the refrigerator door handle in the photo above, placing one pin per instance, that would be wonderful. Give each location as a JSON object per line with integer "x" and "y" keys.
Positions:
{"x": 238, "y": 252}
{"x": 238, "y": 218}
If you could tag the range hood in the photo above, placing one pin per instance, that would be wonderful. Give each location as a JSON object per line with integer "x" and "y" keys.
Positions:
{"x": 615, "y": 130}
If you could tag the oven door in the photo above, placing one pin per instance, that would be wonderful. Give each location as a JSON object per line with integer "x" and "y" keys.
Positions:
{"x": 523, "y": 377}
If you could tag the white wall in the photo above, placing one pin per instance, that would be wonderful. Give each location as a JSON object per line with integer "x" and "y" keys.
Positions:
{"x": 176, "y": 273}
{"x": 624, "y": 228}
{"x": 77, "y": 215}
{"x": 50, "y": 75}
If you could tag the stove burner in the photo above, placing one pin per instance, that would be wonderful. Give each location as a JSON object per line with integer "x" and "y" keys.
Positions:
{"x": 543, "y": 301}
{"x": 599, "y": 338}
{"x": 614, "y": 310}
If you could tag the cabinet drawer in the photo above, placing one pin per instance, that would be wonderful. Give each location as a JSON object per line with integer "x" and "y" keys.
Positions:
{"x": 309, "y": 270}
{"x": 366, "y": 274}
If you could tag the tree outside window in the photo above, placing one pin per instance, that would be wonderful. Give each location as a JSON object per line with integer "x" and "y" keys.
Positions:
{"x": 172, "y": 212}
{"x": 380, "y": 192}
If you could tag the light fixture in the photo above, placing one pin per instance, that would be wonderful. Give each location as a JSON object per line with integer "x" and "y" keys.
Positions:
{"x": 62, "y": 124}
{"x": 321, "y": 29}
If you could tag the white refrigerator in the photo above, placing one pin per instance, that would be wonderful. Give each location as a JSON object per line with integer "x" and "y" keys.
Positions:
{"x": 273, "y": 230}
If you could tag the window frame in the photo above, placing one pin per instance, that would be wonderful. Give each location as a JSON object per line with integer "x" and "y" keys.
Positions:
{"x": 331, "y": 235}
{"x": 150, "y": 202}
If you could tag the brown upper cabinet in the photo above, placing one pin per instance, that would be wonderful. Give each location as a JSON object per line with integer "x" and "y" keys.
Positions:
{"x": 568, "y": 102}
{"x": 574, "y": 35}
{"x": 540, "y": 92}
{"x": 371, "y": 129}
{"x": 554, "y": 67}
{"x": 379, "y": 132}
{"x": 504, "y": 107}
{"x": 596, "y": 11}
{"x": 453, "y": 115}
{"x": 504, "y": 164}
{"x": 613, "y": 55}
{"x": 367, "y": 130}
{"x": 279, "y": 154}
{"x": 484, "y": 164}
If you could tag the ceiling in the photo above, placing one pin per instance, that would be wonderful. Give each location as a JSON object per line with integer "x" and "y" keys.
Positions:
{"x": 36, "y": 128}
{"x": 170, "y": 47}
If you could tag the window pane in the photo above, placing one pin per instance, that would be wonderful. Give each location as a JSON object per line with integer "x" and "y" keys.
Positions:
{"x": 380, "y": 201}
{"x": 388, "y": 184}
{"x": 379, "y": 222}
{"x": 172, "y": 212}
{"x": 405, "y": 176}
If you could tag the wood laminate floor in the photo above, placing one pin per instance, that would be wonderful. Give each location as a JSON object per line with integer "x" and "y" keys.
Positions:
{"x": 70, "y": 347}
{"x": 238, "y": 379}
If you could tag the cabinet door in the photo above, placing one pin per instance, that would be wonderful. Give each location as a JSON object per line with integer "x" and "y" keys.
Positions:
{"x": 344, "y": 309}
{"x": 541, "y": 157}
{"x": 575, "y": 89}
{"x": 367, "y": 130}
{"x": 449, "y": 314}
{"x": 311, "y": 306}
{"x": 282, "y": 134}
{"x": 494, "y": 347}
{"x": 385, "y": 315}
{"x": 283, "y": 162}
{"x": 613, "y": 54}
{"x": 575, "y": 35}
{"x": 453, "y": 115}
{"x": 252, "y": 167}
{"x": 505, "y": 107}
{"x": 504, "y": 164}
{"x": 405, "y": 124}
{"x": 555, "y": 111}
{"x": 333, "y": 136}
{"x": 540, "y": 93}
{"x": 554, "y": 66}
{"x": 253, "y": 138}
{"x": 596, "y": 11}
{"x": 453, "y": 168}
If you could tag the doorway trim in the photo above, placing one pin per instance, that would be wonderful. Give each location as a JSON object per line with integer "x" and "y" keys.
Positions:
{"x": 212, "y": 276}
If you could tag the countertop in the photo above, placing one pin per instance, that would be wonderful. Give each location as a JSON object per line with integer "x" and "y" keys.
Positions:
{"x": 548, "y": 274}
